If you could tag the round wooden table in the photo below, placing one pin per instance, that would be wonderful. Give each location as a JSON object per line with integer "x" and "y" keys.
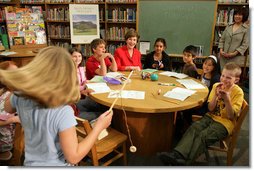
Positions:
{"x": 150, "y": 121}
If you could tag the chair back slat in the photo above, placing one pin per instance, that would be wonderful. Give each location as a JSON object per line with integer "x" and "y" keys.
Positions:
{"x": 110, "y": 144}
{"x": 241, "y": 117}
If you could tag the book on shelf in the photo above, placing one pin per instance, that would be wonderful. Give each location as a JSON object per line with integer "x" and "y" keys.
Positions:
{"x": 32, "y": 1}
{"x": 233, "y": 1}
{"x": 225, "y": 16}
{"x": 24, "y": 26}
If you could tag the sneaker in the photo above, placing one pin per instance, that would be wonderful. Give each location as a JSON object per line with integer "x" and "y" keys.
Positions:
{"x": 164, "y": 157}
{"x": 5, "y": 155}
{"x": 173, "y": 158}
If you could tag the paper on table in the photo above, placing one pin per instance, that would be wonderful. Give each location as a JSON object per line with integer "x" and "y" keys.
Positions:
{"x": 174, "y": 74}
{"x": 6, "y": 53}
{"x": 127, "y": 94}
{"x": 97, "y": 79}
{"x": 191, "y": 84}
{"x": 149, "y": 70}
{"x": 98, "y": 87}
{"x": 179, "y": 93}
{"x": 114, "y": 74}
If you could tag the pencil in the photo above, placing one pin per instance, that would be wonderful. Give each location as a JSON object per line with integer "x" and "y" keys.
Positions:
{"x": 159, "y": 91}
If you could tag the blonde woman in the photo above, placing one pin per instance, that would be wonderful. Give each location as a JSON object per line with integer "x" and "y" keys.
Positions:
{"x": 42, "y": 91}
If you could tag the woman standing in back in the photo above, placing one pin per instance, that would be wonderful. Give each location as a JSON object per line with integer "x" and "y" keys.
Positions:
{"x": 235, "y": 39}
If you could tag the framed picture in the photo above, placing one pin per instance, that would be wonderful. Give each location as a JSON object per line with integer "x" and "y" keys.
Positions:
{"x": 84, "y": 23}
{"x": 144, "y": 47}
{"x": 18, "y": 41}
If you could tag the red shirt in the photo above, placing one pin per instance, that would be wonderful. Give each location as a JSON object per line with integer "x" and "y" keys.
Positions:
{"x": 92, "y": 64}
{"x": 123, "y": 58}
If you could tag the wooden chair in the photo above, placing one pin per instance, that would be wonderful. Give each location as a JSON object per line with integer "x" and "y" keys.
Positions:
{"x": 228, "y": 144}
{"x": 108, "y": 146}
{"x": 18, "y": 147}
{"x": 200, "y": 71}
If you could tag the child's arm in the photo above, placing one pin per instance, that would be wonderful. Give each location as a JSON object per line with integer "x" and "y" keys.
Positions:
{"x": 12, "y": 119}
{"x": 7, "y": 105}
{"x": 103, "y": 68}
{"x": 228, "y": 105}
{"x": 74, "y": 151}
{"x": 113, "y": 66}
{"x": 212, "y": 104}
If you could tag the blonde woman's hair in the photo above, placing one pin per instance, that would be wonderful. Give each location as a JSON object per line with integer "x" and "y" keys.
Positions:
{"x": 50, "y": 78}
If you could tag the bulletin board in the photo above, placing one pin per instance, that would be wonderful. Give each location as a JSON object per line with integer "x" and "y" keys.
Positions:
{"x": 180, "y": 22}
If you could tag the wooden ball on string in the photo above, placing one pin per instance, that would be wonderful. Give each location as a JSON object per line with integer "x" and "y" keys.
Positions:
{"x": 133, "y": 149}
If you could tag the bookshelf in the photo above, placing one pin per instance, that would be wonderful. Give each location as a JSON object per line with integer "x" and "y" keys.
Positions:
{"x": 58, "y": 22}
{"x": 120, "y": 16}
{"x": 225, "y": 11}
{"x": 115, "y": 17}
{"x": 3, "y": 26}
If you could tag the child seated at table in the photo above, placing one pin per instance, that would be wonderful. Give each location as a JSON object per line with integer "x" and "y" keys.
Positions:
{"x": 99, "y": 62}
{"x": 85, "y": 108}
{"x": 189, "y": 68}
{"x": 158, "y": 59}
{"x": 224, "y": 104}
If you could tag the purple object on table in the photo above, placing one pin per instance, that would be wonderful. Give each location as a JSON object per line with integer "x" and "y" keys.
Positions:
{"x": 111, "y": 80}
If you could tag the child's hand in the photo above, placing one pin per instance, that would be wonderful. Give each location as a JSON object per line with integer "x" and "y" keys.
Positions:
{"x": 104, "y": 55}
{"x": 218, "y": 90}
{"x": 110, "y": 56}
{"x": 155, "y": 65}
{"x": 161, "y": 65}
{"x": 86, "y": 92}
{"x": 224, "y": 94}
{"x": 13, "y": 119}
{"x": 104, "y": 120}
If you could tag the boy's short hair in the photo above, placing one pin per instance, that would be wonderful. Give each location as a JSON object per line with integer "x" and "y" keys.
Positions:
{"x": 191, "y": 49}
{"x": 131, "y": 33}
{"x": 97, "y": 42}
{"x": 231, "y": 66}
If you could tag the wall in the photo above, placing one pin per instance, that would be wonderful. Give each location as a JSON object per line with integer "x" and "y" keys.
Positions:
{"x": 180, "y": 22}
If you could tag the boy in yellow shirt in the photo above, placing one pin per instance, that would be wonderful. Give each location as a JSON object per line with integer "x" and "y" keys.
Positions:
{"x": 224, "y": 104}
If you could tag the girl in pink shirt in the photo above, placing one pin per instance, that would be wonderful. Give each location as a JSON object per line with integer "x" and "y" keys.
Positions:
{"x": 76, "y": 56}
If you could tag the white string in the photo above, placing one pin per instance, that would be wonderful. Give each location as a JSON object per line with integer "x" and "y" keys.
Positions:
{"x": 111, "y": 107}
{"x": 126, "y": 124}
{"x": 125, "y": 116}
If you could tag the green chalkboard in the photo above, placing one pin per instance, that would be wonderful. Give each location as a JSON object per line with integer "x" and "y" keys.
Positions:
{"x": 181, "y": 23}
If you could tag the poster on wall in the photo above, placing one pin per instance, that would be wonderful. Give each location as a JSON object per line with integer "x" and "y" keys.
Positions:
{"x": 84, "y": 23}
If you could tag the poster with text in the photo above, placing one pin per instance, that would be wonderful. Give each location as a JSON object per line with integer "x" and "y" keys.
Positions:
{"x": 84, "y": 23}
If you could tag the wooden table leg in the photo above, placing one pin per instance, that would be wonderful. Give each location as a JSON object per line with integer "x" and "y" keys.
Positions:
{"x": 150, "y": 132}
